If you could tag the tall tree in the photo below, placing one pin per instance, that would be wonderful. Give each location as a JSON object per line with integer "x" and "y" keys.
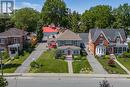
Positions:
{"x": 102, "y": 15}
{"x": 122, "y": 16}
{"x": 74, "y": 21}
{"x": 87, "y": 21}
{"x": 26, "y": 18}
{"x": 55, "y": 11}
{"x": 5, "y": 22}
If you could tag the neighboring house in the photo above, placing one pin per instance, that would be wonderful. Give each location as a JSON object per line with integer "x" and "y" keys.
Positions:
{"x": 69, "y": 43}
{"x": 50, "y": 31}
{"x": 51, "y": 43}
{"x": 12, "y": 40}
{"x": 107, "y": 41}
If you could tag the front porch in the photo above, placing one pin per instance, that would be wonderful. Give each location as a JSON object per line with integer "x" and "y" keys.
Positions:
{"x": 13, "y": 49}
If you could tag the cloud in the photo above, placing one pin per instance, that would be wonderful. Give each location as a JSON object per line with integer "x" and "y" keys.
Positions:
{"x": 37, "y": 7}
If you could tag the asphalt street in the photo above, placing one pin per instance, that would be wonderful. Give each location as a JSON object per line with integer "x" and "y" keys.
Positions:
{"x": 64, "y": 82}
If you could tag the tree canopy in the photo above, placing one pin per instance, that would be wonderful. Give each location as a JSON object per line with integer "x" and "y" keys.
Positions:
{"x": 26, "y": 19}
{"x": 55, "y": 11}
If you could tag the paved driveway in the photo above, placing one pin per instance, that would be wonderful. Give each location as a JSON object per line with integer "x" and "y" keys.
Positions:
{"x": 33, "y": 56}
{"x": 96, "y": 66}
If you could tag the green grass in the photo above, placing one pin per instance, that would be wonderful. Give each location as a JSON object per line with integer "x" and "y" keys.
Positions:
{"x": 15, "y": 63}
{"x": 111, "y": 70}
{"x": 81, "y": 66}
{"x": 48, "y": 64}
{"x": 125, "y": 62}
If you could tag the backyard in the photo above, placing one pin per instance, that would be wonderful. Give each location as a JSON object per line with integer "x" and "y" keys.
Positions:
{"x": 81, "y": 65}
{"x": 48, "y": 64}
{"x": 116, "y": 69}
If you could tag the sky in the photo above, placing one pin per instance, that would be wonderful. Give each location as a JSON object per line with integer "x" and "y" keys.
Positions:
{"x": 77, "y": 5}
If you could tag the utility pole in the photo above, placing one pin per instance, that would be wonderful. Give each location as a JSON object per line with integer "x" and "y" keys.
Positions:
{"x": 1, "y": 64}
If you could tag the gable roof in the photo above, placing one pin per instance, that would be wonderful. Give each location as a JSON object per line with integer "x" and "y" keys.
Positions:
{"x": 68, "y": 35}
{"x": 13, "y": 32}
{"x": 49, "y": 29}
{"x": 110, "y": 34}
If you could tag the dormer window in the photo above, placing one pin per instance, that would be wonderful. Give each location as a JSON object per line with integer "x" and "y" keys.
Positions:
{"x": 118, "y": 40}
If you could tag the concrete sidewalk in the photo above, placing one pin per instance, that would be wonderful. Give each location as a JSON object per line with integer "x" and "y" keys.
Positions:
{"x": 70, "y": 67}
{"x": 67, "y": 75}
{"x": 33, "y": 56}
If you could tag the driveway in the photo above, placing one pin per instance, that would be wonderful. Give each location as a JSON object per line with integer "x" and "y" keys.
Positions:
{"x": 33, "y": 56}
{"x": 96, "y": 66}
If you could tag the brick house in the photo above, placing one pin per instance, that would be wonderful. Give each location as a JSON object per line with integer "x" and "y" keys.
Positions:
{"x": 68, "y": 43}
{"x": 12, "y": 40}
{"x": 107, "y": 41}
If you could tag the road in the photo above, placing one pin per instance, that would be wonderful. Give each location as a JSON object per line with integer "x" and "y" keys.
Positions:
{"x": 64, "y": 82}
{"x": 33, "y": 56}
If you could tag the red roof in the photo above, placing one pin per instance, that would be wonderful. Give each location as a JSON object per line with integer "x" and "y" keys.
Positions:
{"x": 50, "y": 29}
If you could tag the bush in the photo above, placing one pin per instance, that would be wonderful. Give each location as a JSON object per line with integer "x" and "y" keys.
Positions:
{"x": 107, "y": 56}
{"x": 111, "y": 63}
{"x": 16, "y": 57}
{"x": 34, "y": 64}
{"x": 77, "y": 57}
{"x": 5, "y": 55}
{"x": 63, "y": 57}
{"x": 126, "y": 55}
{"x": 3, "y": 82}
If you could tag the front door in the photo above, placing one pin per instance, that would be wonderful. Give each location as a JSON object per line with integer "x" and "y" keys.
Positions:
{"x": 69, "y": 52}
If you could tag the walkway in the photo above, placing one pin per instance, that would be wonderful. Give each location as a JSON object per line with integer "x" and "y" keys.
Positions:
{"x": 123, "y": 67}
{"x": 96, "y": 66}
{"x": 69, "y": 60}
{"x": 70, "y": 67}
{"x": 33, "y": 56}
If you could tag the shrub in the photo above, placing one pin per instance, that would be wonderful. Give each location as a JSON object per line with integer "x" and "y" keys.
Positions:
{"x": 111, "y": 62}
{"x": 16, "y": 57}
{"x": 5, "y": 55}
{"x": 77, "y": 57}
{"x": 3, "y": 82}
{"x": 34, "y": 64}
{"x": 63, "y": 57}
{"x": 107, "y": 56}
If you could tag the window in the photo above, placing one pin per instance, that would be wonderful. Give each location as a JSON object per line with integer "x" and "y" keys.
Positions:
{"x": 15, "y": 40}
{"x": 124, "y": 48}
{"x": 118, "y": 40}
{"x": 2, "y": 40}
{"x": 120, "y": 50}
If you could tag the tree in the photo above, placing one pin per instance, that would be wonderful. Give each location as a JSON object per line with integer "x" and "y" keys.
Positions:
{"x": 26, "y": 19}
{"x": 39, "y": 30}
{"x": 5, "y": 22}
{"x": 3, "y": 82}
{"x": 105, "y": 83}
{"x": 55, "y": 11}
{"x": 87, "y": 21}
{"x": 75, "y": 21}
{"x": 122, "y": 16}
{"x": 99, "y": 16}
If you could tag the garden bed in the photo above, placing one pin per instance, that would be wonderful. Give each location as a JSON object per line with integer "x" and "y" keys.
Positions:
{"x": 81, "y": 65}
{"x": 116, "y": 69}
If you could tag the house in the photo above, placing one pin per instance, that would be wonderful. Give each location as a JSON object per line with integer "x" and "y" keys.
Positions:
{"x": 50, "y": 31}
{"x": 12, "y": 40}
{"x": 68, "y": 43}
{"x": 51, "y": 43}
{"x": 107, "y": 41}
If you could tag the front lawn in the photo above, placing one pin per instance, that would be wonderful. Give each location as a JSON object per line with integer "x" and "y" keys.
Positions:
{"x": 81, "y": 65}
{"x": 116, "y": 69}
{"x": 15, "y": 63}
{"x": 125, "y": 62}
{"x": 48, "y": 64}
